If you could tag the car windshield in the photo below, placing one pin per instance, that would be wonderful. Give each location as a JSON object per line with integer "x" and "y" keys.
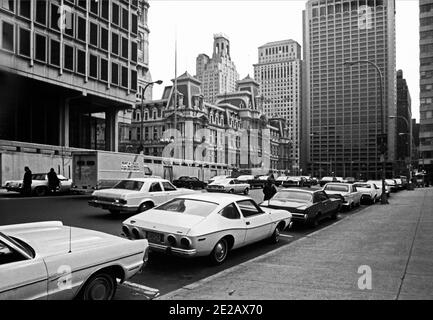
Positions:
{"x": 129, "y": 185}
{"x": 38, "y": 176}
{"x": 245, "y": 178}
{"x": 363, "y": 185}
{"x": 336, "y": 187}
{"x": 189, "y": 206}
{"x": 292, "y": 195}
{"x": 20, "y": 244}
{"x": 222, "y": 181}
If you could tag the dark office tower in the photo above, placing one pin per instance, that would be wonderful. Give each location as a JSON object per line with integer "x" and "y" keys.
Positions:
{"x": 343, "y": 123}
{"x": 426, "y": 87}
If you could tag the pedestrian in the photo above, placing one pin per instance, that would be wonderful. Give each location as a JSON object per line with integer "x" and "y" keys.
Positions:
{"x": 269, "y": 190}
{"x": 53, "y": 181}
{"x": 27, "y": 182}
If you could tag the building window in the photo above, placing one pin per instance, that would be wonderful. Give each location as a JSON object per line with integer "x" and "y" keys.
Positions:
{"x": 41, "y": 12}
{"x": 125, "y": 19}
{"x": 125, "y": 48}
{"x": 93, "y": 34}
{"x": 94, "y": 6}
{"x": 104, "y": 39}
{"x": 68, "y": 61}
{"x": 81, "y": 29}
{"x": 115, "y": 14}
{"x": 82, "y": 4}
{"x": 8, "y": 36}
{"x": 134, "y": 22}
{"x": 81, "y": 61}
{"x": 69, "y": 29}
{"x": 114, "y": 73}
{"x": 93, "y": 66}
{"x": 8, "y": 4}
{"x": 104, "y": 70}
{"x": 133, "y": 80}
{"x": 40, "y": 48}
{"x": 134, "y": 51}
{"x": 114, "y": 43}
{"x": 24, "y": 48}
{"x": 55, "y": 53}
{"x": 55, "y": 16}
{"x": 25, "y": 8}
{"x": 124, "y": 77}
{"x": 104, "y": 9}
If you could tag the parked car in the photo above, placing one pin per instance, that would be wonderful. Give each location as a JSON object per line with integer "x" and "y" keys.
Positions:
{"x": 378, "y": 183}
{"x": 370, "y": 192}
{"x": 215, "y": 178}
{"x": 352, "y": 197}
{"x": 392, "y": 184}
{"x": 404, "y": 181}
{"x": 229, "y": 185}
{"x": 47, "y": 260}
{"x": 189, "y": 182}
{"x": 136, "y": 195}
{"x": 349, "y": 180}
{"x": 279, "y": 181}
{"x": 326, "y": 180}
{"x": 39, "y": 184}
{"x": 253, "y": 181}
{"x": 206, "y": 225}
{"x": 399, "y": 183}
{"x": 305, "y": 205}
{"x": 296, "y": 182}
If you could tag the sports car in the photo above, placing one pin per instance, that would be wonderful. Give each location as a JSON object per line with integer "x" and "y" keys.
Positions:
{"x": 206, "y": 225}
{"x": 47, "y": 260}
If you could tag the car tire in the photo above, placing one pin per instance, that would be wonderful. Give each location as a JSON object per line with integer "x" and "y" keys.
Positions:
{"x": 246, "y": 191}
{"x": 231, "y": 191}
{"x": 315, "y": 222}
{"x": 144, "y": 207}
{"x": 41, "y": 191}
{"x": 275, "y": 237}
{"x": 219, "y": 252}
{"x": 100, "y": 286}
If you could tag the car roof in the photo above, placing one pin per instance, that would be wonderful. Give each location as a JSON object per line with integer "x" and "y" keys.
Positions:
{"x": 220, "y": 198}
{"x": 338, "y": 184}
{"x": 301, "y": 190}
{"x": 146, "y": 180}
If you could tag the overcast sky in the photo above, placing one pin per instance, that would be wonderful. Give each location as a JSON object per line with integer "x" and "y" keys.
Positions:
{"x": 250, "y": 24}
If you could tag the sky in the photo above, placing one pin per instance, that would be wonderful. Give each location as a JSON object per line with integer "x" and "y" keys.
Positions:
{"x": 248, "y": 25}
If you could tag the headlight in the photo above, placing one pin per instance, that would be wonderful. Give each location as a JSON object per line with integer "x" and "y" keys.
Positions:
{"x": 126, "y": 231}
{"x": 121, "y": 201}
{"x": 185, "y": 242}
{"x": 171, "y": 240}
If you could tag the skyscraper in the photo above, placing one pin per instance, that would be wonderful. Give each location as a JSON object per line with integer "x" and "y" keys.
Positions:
{"x": 404, "y": 133}
{"x": 217, "y": 74}
{"x": 426, "y": 86}
{"x": 279, "y": 73}
{"x": 343, "y": 102}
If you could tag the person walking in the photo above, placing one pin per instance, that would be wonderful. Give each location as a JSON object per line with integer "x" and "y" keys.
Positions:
{"x": 53, "y": 181}
{"x": 269, "y": 190}
{"x": 27, "y": 182}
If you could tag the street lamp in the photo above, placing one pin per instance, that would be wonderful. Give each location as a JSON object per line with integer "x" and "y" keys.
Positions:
{"x": 409, "y": 147}
{"x": 141, "y": 148}
{"x": 383, "y": 199}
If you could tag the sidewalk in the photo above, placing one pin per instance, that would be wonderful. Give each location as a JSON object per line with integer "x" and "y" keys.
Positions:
{"x": 395, "y": 241}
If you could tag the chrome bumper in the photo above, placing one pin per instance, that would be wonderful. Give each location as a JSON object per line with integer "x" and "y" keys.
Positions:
{"x": 111, "y": 206}
{"x": 172, "y": 250}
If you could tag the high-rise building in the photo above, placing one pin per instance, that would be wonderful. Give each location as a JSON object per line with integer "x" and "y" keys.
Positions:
{"x": 426, "y": 87}
{"x": 343, "y": 102}
{"x": 404, "y": 128}
{"x": 60, "y": 63}
{"x": 279, "y": 73}
{"x": 218, "y": 74}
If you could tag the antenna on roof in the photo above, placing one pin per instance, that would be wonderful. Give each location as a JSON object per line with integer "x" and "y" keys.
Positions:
{"x": 70, "y": 239}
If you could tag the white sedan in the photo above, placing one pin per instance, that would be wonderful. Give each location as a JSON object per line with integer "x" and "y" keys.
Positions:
{"x": 370, "y": 192}
{"x": 39, "y": 185}
{"x": 229, "y": 185}
{"x": 136, "y": 195}
{"x": 206, "y": 225}
{"x": 46, "y": 260}
{"x": 349, "y": 194}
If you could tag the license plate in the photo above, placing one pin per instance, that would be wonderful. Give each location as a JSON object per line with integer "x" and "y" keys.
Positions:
{"x": 155, "y": 237}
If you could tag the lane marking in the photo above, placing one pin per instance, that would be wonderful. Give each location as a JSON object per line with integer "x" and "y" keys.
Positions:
{"x": 147, "y": 291}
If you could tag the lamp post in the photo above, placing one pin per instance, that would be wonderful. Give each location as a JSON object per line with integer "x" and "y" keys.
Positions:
{"x": 141, "y": 148}
{"x": 409, "y": 147}
{"x": 383, "y": 199}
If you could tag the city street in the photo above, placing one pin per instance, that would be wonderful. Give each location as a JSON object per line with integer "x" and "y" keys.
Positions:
{"x": 165, "y": 273}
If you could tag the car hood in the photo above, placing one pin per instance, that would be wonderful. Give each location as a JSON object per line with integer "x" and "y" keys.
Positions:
{"x": 51, "y": 238}
{"x": 13, "y": 181}
{"x": 286, "y": 204}
{"x": 344, "y": 194}
{"x": 165, "y": 221}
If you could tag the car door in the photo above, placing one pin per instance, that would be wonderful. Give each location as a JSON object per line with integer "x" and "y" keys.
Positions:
{"x": 170, "y": 190}
{"x": 157, "y": 193}
{"x": 355, "y": 194}
{"x": 258, "y": 223}
{"x": 21, "y": 277}
{"x": 324, "y": 203}
{"x": 235, "y": 223}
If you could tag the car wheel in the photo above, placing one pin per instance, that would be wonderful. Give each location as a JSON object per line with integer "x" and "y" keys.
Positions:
{"x": 219, "y": 252}
{"x": 315, "y": 222}
{"x": 41, "y": 191}
{"x": 275, "y": 237}
{"x": 334, "y": 215}
{"x": 246, "y": 191}
{"x": 231, "y": 191}
{"x": 114, "y": 211}
{"x": 144, "y": 207}
{"x": 101, "y": 286}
